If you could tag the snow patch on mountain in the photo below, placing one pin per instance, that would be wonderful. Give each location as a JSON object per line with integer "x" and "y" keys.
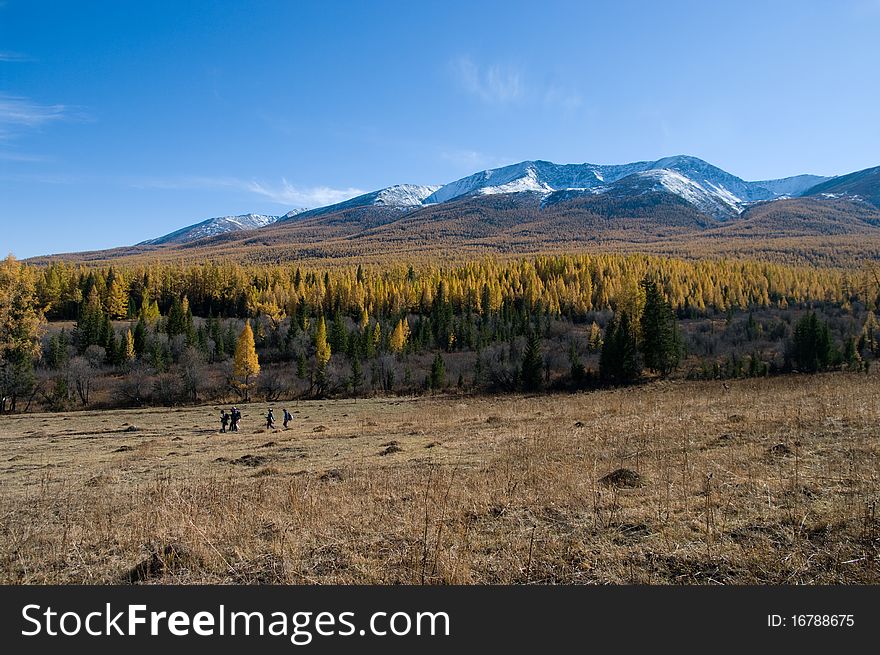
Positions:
{"x": 213, "y": 227}
{"x": 402, "y": 197}
{"x": 707, "y": 187}
{"x": 716, "y": 201}
{"x": 792, "y": 187}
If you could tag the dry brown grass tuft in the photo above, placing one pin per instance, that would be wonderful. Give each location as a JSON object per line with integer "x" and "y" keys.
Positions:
{"x": 774, "y": 481}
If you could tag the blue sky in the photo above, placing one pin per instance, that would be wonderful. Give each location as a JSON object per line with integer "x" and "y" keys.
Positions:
{"x": 121, "y": 121}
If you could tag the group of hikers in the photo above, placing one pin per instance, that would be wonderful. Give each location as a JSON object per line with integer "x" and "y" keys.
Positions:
{"x": 232, "y": 419}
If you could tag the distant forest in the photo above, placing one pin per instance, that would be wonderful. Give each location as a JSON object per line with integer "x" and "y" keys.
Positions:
{"x": 77, "y": 336}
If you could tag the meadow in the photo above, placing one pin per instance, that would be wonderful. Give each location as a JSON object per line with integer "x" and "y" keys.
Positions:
{"x": 769, "y": 480}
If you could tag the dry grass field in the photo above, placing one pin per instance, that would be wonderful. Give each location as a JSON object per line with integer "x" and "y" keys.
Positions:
{"x": 770, "y": 481}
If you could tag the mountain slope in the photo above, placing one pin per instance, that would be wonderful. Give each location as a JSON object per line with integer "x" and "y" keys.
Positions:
{"x": 861, "y": 185}
{"x": 211, "y": 228}
{"x": 792, "y": 186}
{"x": 399, "y": 196}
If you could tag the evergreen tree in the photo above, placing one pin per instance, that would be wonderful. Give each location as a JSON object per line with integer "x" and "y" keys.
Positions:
{"x": 357, "y": 375}
{"x": 437, "y": 379}
{"x": 338, "y": 334}
{"x": 90, "y": 326}
{"x": 851, "y": 356}
{"x": 619, "y": 361}
{"x": 532, "y": 363}
{"x": 811, "y": 348}
{"x": 140, "y": 337}
{"x": 578, "y": 372}
{"x": 661, "y": 342}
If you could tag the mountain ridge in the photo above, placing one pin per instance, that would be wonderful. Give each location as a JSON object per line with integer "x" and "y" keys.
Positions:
{"x": 534, "y": 205}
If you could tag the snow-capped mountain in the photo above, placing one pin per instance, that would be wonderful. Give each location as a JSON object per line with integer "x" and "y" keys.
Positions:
{"x": 213, "y": 227}
{"x": 292, "y": 213}
{"x": 709, "y": 188}
{"x": 399, "y": 196}
{"x": 716, "y": 201}
{"x": 539, "y": 176}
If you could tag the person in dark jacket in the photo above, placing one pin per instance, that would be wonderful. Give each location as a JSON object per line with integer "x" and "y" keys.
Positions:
{"x": 236, "y": 417}
{"x": 270, "y": 420}
{"x": 287, "y": 417}
{"x": 224, "y": 420}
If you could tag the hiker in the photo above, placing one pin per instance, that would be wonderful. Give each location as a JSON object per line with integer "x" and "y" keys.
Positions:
{"x": 236, "y": 417}
{"x": 224, "y": 420}
{"x": 287, "y": 417}
{"x": 270, "y": 420}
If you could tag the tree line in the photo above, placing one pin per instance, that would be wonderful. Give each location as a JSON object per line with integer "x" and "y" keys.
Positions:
{"x": 488, "y": 324}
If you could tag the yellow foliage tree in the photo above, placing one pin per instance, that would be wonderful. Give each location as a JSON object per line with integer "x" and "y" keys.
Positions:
{"x": 128, "y": 352}
{"x": 117, "y": 299}
{"x": 246, "y": 363}
{"x": 322, "y": 347}
{"x": 398, "y": 339}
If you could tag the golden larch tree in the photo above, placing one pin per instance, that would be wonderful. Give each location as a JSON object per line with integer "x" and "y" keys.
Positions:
{"x": 128, "y": 351}
{"x": 246, "y": 363}
{"x": 398, "y": 339}
{"x": 322, "y": 347}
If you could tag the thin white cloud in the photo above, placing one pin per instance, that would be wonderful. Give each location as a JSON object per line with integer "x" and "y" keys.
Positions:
{"x": 493, "y": 84}
{"x": 503, "y": 85}
{"x": 16, "y": 111}
{"x": 287, "y": 194}
{"x": 282, "y": 194}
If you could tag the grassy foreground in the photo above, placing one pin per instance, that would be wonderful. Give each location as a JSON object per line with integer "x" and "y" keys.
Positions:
{"x": 762, "y": 481}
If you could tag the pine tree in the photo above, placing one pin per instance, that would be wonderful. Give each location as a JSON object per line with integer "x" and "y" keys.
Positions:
{"x": 246, "y": 363}
{"x": 437, "y": 379}
{"x": 578, "y": 371}
{"x": 338, "y": 334}
{"x": 532, "y": 363}
{"x": 176, "y": 323}
{"x": 357, "y": 375}
{"x": 811, "y": 346}
{"x": 661, "y": 343}
{"x": 140, "y": 337}
{"x": 851, "y": 356}
{"x": 90, "y": 328}
{"x": 619, "y": 361}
